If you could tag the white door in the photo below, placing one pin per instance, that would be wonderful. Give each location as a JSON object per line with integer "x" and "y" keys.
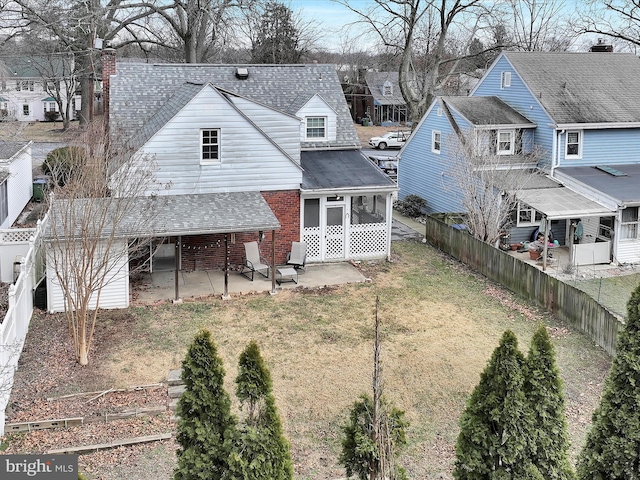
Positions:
{"x": 334, "y": 232}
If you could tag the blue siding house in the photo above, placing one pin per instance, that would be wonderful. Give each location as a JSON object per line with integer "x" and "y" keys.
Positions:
{"x": 581, "y": 112}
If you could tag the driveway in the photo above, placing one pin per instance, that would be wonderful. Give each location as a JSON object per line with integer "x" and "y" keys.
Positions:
{"x": 39, "y": 151}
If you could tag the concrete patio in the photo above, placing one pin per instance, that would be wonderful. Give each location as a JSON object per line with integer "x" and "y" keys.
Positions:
{"x": 159, "y": 286}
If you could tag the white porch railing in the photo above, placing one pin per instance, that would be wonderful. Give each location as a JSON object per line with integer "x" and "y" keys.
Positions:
{"x": 14, "y": 326}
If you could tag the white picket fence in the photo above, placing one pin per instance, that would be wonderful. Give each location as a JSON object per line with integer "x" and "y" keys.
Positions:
{"x": 13, "y": 329}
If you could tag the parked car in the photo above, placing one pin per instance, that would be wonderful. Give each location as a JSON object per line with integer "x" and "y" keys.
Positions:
{"x": 389, "y": 140}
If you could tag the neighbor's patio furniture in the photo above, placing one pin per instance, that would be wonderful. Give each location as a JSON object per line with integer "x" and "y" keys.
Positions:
{"x": 286, "y": 274}
{"x": 252, "y": 261}
{"x": 297, "y": 257}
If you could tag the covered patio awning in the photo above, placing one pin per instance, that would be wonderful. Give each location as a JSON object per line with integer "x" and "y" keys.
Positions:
{"x": 165, "y": 216}
{"x": 168, "y": 215}
{"x": 562, "y": 203}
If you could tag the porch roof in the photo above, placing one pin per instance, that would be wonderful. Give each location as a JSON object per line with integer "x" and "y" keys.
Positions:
{"x": 622, "y": 185}
{"x": 560, "y": 203}
{"x": 171, "y": 215}
{"x": 341, "y": 169}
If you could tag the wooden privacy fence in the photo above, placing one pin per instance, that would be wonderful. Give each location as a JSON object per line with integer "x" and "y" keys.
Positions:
{"x": 567, "y": 303}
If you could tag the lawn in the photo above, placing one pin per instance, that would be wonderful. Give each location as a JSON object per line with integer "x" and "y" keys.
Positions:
{"x": 612, "y": 292}
{"x": 440, "y": 324}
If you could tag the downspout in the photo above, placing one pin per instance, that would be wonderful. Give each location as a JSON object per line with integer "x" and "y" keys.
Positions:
{"x": 555, "y": 161}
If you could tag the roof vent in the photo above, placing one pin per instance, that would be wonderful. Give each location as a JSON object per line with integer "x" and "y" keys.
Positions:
{"x": 242, "y": 73}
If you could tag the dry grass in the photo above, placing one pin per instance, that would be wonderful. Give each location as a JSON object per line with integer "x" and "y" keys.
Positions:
{"x": 36, "y": 131}
{"x": 440, "y": 321}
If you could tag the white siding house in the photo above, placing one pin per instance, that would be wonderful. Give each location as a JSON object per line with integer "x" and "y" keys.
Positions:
{"x": 16, "y": 185}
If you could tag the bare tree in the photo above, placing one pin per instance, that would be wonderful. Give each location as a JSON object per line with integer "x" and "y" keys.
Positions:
{"x": 420, "y": 32}
{"x": 375, "y": 432}
{"x": 92, "y": 228}
{"x": 618, "y": 19}
{"x": 540, "y": 26}
{"x": 486, "y": 182}
{"x": 195, "y": 27}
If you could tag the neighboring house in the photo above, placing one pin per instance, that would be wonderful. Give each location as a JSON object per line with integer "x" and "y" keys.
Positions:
{"x": 384, "y": 102}
{"x": 15, "y": 180}
{"x": 582, "y": 111}
{"x": 26, "y": 84}
{"x": 248, "y": 150}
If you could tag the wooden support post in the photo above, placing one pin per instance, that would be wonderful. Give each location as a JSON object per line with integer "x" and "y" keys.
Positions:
{"x": 178, "y": 253}
{"x": 273, "y": 261}
{"x": 225, "y": 294}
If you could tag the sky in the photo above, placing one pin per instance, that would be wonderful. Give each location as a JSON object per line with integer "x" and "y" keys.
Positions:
{"x": 330, "y": 17}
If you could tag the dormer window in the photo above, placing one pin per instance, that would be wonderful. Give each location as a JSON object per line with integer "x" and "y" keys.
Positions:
{"x": 316, "y": 128}
{"x": 387, "y": 89}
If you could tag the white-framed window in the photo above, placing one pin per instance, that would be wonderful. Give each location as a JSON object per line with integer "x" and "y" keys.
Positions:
{"x": 630, "y": 224}
{"x": 26, "y": 110}
{"x": 316, "y": 128}
{"x": 505, "y": 139}
{"x": 210, "y": 145}
{"x": 505, "y": 79}
{"x": 50, "y": 106}
{"x": 436, "y": 141}
{"x": 527, "y": 216}
{"x": 574, "y": 144}
{"x": 387, "y": 89}
{"x": 25, "y": 85}
{"x": 4, "y": 201}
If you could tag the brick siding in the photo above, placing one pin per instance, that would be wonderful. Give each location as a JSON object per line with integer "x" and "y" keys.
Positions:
{"x": 206, "y": 252}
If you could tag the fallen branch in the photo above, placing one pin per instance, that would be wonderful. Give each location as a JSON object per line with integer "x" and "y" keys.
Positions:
{"x": 114, "y": 444}
{"x": 128, "y": 389}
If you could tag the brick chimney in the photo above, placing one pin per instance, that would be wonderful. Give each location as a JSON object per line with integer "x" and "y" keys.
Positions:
{"x": 601, "y": 47}
{"x": 108, "y": 69}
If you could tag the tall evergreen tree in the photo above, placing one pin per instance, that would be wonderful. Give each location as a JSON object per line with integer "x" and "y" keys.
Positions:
{"x": 278, "y": 38}
{"x": 261, "y": 451}
{"x": 495, "y": 440}
{"x": 612, "y": 450}
{"x": 544, "y": 392}
{"x": 206, "y": 424}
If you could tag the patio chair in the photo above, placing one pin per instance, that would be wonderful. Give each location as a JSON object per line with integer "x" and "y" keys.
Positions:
{"x": 252, "y": 261}
{"x": 297, "y": 257}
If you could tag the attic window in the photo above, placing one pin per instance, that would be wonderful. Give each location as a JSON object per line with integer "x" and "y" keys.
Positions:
{"x": 242, "y": 73}
{"x": 387, "y": 89}
{"x": 505, "y": 79}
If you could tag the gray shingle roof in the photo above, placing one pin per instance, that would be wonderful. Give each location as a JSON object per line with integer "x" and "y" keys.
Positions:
{"x": 375, "y": 82}
{"x": 582, "y": 87}
{"x": 140, "y": 90}
{"x": 9, "y": 149}
{"x": 168, "y": 215}
{"x": 487, "y": 111}
{"x": 32, "y": 66}
{"x": 341, "y": 169}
